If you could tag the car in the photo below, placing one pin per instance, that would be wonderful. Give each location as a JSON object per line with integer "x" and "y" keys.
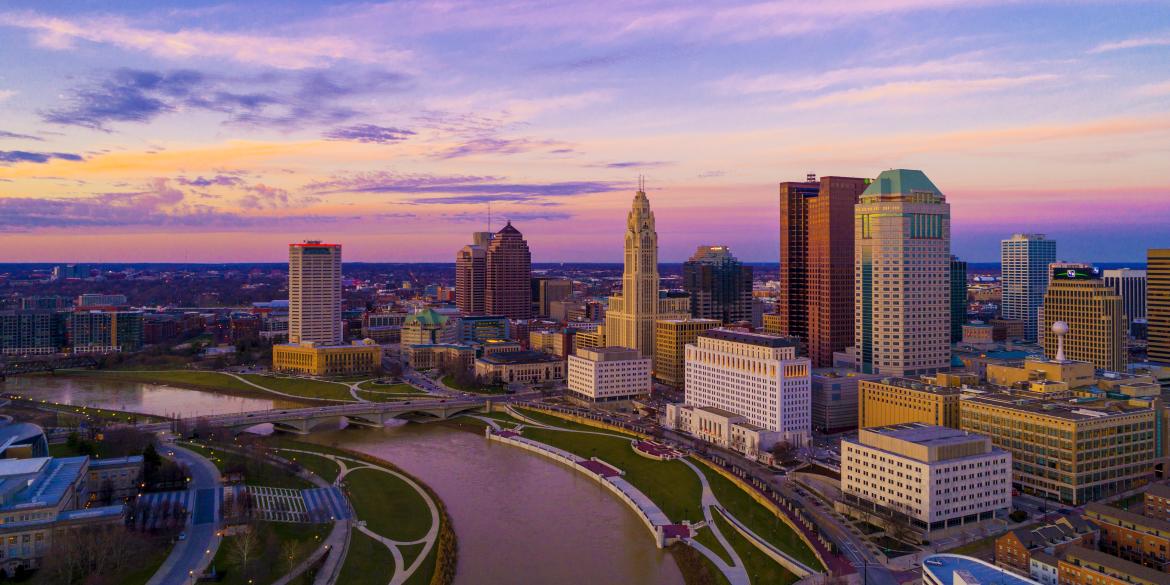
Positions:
{"x": 182, "y": 536}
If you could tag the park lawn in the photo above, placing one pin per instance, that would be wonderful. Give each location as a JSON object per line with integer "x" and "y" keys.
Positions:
{"x": 269, "y": 475}
{"x": 758, "y": 518}
{"x": 397, "y": 388}
{"x": 374, "y": 396}
{"x": 320, "y": 466}
{"x": 389, "y": 506}
{"x": 303, "y": 387}
{"x": 201, "y": 380}
{"x": 309, "y": 535}
{"x": 500, "y": 416}
{"x": 695, "y": 567}
{"x": 426, "y": 569}
{"x": 556, "y": 421}
{"x": 671, "y": 484}
{"x": 761, "y": 569}
{"x": 367, "y": 562}
{"x": 449, "y": 381}
{"x": 707, "y": 539}
{"x": 148, "y": 565}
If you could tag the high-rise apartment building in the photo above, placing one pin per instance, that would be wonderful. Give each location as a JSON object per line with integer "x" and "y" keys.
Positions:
{"x": 720, "y": 285}
{"x": 816, "y": 300}
{"x": 754, "y": 376}
{"x": 958, "y": 298}
{"x": 1158, "y": 305}
{"x": 1024, "y": 260}
{"x": 314, "y": 293}
{"x": 471, "y": 274}
{"x": 32, "y": 332}
{"x": 1131, "y": 286}
{"x": 508, "y": 286}
{"x": 629, "y": 320}
{"x": 903, "y": 283}
{"x": 1096, "y": 319}
{"x": 671, "y": 337}
{"x": 1070, "y": 451}
{"x": 105, "y": 331}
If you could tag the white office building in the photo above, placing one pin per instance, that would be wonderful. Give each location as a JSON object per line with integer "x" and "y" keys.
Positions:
{"x": 755, "y": 376}
{"x": 608, "y": 374}
{"x": 935, "y": 477}
{"x": 1024, "y": 260}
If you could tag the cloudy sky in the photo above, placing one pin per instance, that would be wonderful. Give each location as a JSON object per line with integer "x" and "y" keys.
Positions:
{"x": 223, "y": 131}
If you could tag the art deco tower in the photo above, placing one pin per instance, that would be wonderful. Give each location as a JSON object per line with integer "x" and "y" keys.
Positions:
{"x": 629, "y": 321}
{"x": 508, "y": 283}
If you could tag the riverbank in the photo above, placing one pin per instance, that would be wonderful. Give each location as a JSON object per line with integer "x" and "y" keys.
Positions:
{"x": 302, "y": 392}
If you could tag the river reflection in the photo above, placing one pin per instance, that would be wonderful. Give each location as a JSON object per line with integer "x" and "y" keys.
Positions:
{"x": 520, "y": 518}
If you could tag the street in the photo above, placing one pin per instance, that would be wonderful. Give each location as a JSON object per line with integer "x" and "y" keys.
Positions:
{"x": 190, "y": 556}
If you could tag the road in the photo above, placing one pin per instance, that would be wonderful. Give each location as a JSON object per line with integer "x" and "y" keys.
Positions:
{"x": 191, "y": 556}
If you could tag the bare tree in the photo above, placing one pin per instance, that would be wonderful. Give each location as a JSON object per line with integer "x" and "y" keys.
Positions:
{"x": 246, "y": 547}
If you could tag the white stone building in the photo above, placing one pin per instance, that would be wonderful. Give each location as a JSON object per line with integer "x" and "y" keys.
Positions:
{"x": 607, "y": 374}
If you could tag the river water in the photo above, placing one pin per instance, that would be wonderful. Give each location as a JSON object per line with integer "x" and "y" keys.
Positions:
{"x": 519, "y": 518}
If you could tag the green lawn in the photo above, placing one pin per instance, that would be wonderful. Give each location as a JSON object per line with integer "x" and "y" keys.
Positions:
{"x": 397, "y": 388}
{"x": 303, "y": 387}
{"x": 449, "y": 382}
{"x": 671, "y": 484}
{"x": 148, "y": 565}
{"x": 422, "y": 576}
{"x": 551, "y": 419}
{"x": 192, "y": 379}
{"x": 393, "y": 397}
{"x": 707, "y": 539}
{"x": 278, "y": 536}
{"x": 500, "y": 416}
{"x": 257, "y": 472}
{"x": 389, "y": 505}
{"x": 696, "y": 568}
{"x": 760, "y": 567}
{"x": 758, "y": 518}
{"x": 322, "y": 467}
{"x": 367, "y": 562}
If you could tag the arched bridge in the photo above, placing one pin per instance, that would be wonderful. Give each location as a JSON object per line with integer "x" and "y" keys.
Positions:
{"x": 375, "y": 414}
{"x": 30, "y": 365}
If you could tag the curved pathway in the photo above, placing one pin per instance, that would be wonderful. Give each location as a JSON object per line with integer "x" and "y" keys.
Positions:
{"x": 267, "y": 389}
{"x": 402, "y": 572}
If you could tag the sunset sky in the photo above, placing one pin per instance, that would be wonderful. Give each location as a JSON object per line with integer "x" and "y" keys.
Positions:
{"x": 223, "y": 131}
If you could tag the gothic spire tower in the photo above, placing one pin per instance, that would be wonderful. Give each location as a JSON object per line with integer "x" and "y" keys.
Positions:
{"x": 630, "y": 318}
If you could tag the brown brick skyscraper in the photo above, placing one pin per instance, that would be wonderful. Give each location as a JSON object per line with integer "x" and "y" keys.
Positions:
{"x": 508, "y": 290}
{"x": 816, "y": 263}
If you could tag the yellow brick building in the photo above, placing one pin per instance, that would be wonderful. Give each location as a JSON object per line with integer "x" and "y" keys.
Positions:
{"x": 895, "y": 401}
{"x": 671, "y": 337}
{"x": 309, "y": 358}
{"x": 1095, "y": 315}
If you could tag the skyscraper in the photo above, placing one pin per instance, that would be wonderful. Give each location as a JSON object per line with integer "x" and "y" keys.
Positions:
{"x": 1158, "y": 305}
{"x": 629, "y": 320}
{"x": 720, "y": 286}
{"x": 547, "y": 290}
{"x": 1131, "y": 285}
{"x": 508, "y": 286}
{"x": 958, "y": 298}
{"x": 1096, "y": 320}
{"x": 471, "y": 274}
{"x": 816, "y": 264}
{"x": 1024, "y": 260}
{"x": 314, "y": 292}
{"x": 903, "y": 284}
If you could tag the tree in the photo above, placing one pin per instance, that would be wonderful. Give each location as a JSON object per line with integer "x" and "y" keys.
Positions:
{"x": 246, "y": 548}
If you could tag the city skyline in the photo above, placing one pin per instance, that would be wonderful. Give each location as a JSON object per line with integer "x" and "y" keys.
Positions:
{"x": 174, "y": 133}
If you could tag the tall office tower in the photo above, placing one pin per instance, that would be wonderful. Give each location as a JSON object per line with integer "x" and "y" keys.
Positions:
{"x": 547, "y": 290}
{"x": 629, "y": 320}
{"x": 903, "y": 253}
{"x": 314, "y": 293}
{"x": 816, "y": 264}
{"x": 1096, "y": 319}
{"x": 671, "y": 337}
{"x": 1131, "y": 285}
{"x": 720, "y": 286}
{"x": 508, "y": 287}
{"x": 1158, "y": 305}
{"x": 471, "y": 274}
{"x": 1024, "y": 260}
{"x": 755, "y": 376}
{"x": 958, "y": 298}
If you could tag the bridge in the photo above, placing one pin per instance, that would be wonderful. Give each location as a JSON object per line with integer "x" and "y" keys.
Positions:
{"x": 30, "y": 365}
{"x": 303, "y": 421}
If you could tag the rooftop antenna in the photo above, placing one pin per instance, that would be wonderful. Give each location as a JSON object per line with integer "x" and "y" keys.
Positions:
{"x": 489, "y": 216}
{"x": 642, "y": 183}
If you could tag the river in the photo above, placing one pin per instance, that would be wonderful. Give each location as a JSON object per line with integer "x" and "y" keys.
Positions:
{"x": 519, "y": 518}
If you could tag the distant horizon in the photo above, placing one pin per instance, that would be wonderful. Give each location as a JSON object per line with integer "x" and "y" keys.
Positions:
{"x": 535, "y": 264}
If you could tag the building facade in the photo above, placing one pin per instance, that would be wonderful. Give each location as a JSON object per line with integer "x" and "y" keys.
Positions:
{"x": 630, "y": 318}
{"x": 104, "y": 331}
{"x": 471, "y": 274}
{"x": 1132, "y": 536}
{"x": 671, "y": 337}
{"x": 1158, "y": 305}
{"x": 608, "y": 374}
{"x": 1085, "y": 566}
{"x": 1095, "y": 316}
{"x": 313, "y": 359}
{"x": 548, "y": 290}
{"x": 1024, "y": 260}
{"x": 755, "y": 376}
{"x": 835, "y": 399}
{"x": 894, "y": 401}
{"x": 1130, "y": 285}
{"x": 816, "y": 302}
{"x": 527, "y": 367}
{"x": 720, "y": 285}
{"x": 508, "y": 287}
{"x": 314, "y": 292}
{"x": 1070, "y": 451}
{"x": 722, "y": 428}
{"x": 958, "y": 298}
{"x": 933, "y": 477}
{"x": 903, "y": 287}
{"x": 32, "y": 332}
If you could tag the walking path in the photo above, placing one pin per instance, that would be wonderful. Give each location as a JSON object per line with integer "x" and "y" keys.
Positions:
{"x": 192, "y": 555}
{"x": 402, "y": 572}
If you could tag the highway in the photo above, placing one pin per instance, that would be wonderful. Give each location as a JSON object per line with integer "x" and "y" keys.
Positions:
{"x": 191, "y": 556}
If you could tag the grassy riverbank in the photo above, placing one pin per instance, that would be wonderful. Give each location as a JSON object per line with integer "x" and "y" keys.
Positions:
{"x": 295, "y": 390}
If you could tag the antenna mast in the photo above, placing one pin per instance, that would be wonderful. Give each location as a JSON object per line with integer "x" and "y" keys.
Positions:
{"x": 489, "y": 216}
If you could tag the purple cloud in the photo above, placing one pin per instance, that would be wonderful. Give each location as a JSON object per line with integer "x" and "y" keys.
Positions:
{"x": 369, "y": 133}
{"x": 492, "y": 145}
{"x": 217, "y": 180}
{"x": 463, "y": 189}
{"x": 14, "y": 135}
{"x": 23, "y": 156}
{"x": 633, "y": 164}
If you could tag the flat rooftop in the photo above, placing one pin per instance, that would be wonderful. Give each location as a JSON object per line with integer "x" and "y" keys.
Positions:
{"x": 943, "y": 566}
{"x": 924, "y": 434}
{"x": 916, "y": 385}
{"x": 506, "y": 358}
{"x": 1075, "y": 409}
{"x": 759, "y": 339}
